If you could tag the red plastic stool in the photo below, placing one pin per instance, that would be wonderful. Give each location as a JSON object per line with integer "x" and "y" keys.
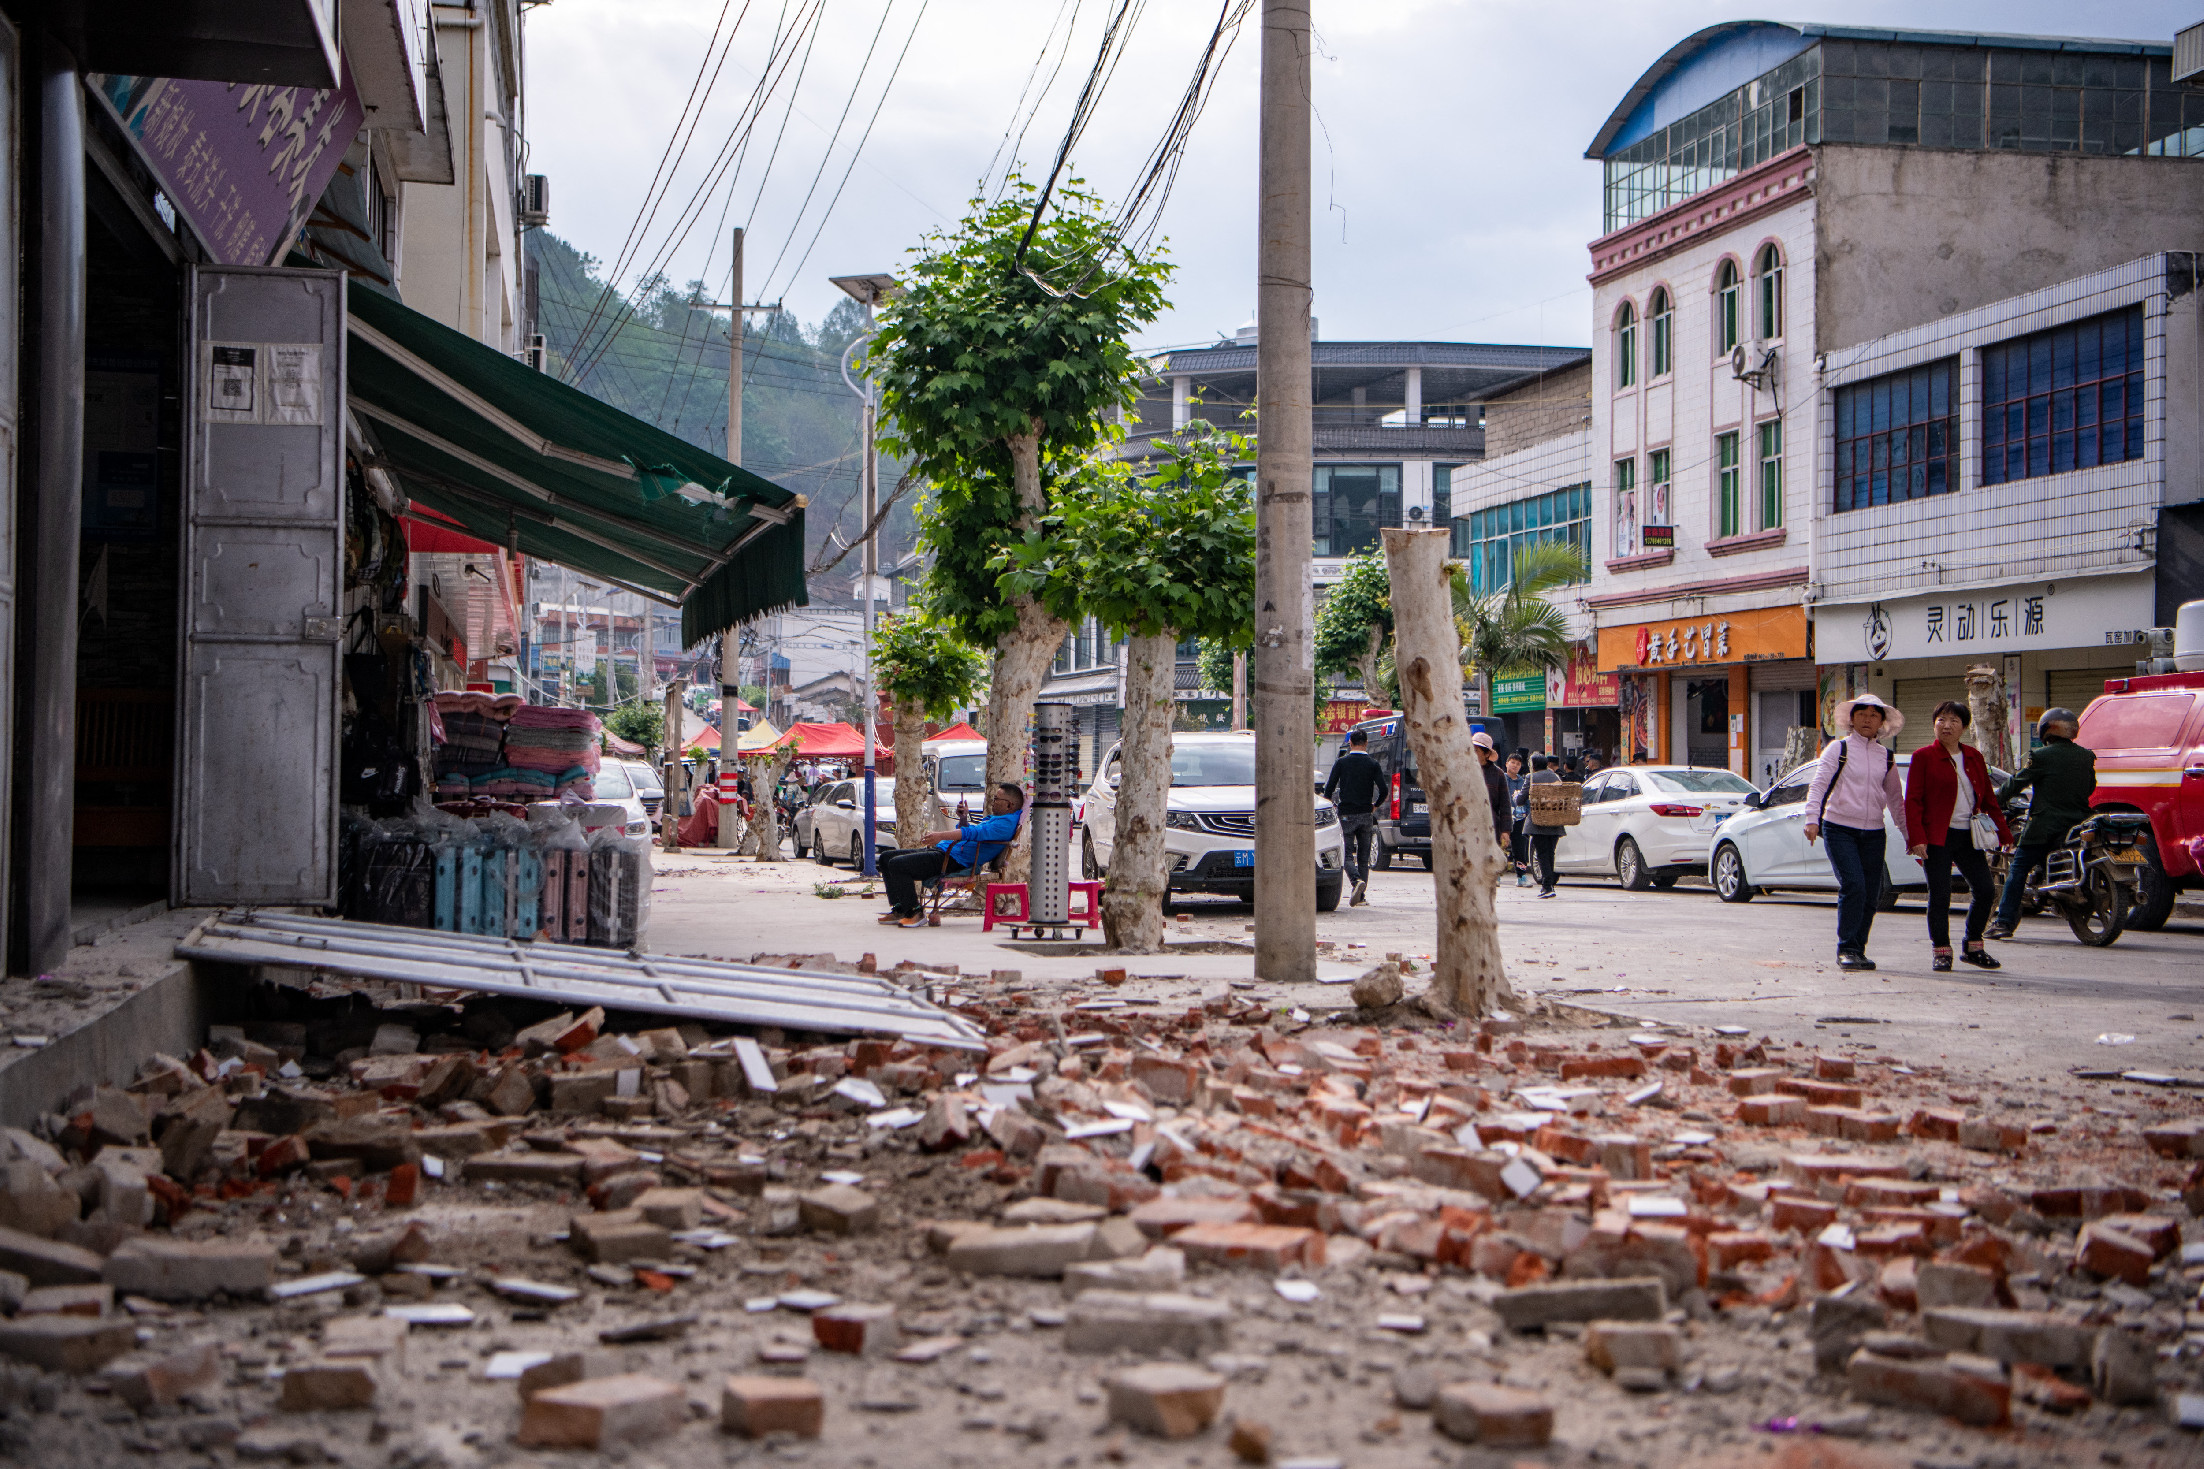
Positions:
{"x": 987, "y": 917}
{"x": 1093, "y": 910}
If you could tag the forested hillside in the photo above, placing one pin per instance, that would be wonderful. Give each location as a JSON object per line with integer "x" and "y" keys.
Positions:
{"x": 666, "y": 363}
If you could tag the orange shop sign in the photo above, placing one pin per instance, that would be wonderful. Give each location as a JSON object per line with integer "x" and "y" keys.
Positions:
{"x": 1762, "y": 634}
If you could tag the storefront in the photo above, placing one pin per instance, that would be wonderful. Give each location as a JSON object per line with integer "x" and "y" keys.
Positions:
{"x": 1722, "y": 691}
{"x": 1519, "y": 703}
{"x": 2041, "y": 644}
{"x": 1583, "y": 715}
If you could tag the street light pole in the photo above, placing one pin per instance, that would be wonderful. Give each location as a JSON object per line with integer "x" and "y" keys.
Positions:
{"x": 868, "y": 291}
{"x": 1285, "y": 680}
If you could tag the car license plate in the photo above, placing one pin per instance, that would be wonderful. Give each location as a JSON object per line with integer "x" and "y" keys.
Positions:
{"x": 1419, "y": 808}
{"x": 1243, "y": 859}
{"x": 2130, "y": 857}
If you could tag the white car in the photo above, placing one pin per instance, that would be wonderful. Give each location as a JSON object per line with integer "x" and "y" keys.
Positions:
{"x": 1209, "y": 819}
{"x": 650, "y": 789}
{"x": 832, "y": 828}
{"x": 1764, "y": 847}
{"x": 614, "y": 787}
{"x": 1648, "y": 824}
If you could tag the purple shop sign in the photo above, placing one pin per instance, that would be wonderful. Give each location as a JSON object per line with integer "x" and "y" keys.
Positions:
{"x": 243, "y": 163}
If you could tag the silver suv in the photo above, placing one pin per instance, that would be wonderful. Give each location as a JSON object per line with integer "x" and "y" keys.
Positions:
{"x": 1210, "y": 821}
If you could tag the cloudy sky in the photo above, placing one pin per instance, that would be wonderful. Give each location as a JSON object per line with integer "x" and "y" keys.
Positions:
{"x": 1452, "y": 198}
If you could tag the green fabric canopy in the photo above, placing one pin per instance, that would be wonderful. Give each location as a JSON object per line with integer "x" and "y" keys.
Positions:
{"x": 523, "y": 461}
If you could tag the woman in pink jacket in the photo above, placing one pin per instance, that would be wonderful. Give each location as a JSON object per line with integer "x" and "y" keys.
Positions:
{"x": 1855, "y": 782}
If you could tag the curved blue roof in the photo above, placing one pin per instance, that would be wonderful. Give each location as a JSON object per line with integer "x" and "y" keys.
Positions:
{"x": 1713, "y": 62}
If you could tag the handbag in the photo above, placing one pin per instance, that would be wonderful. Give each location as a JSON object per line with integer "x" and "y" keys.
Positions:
{"x": 1982, "y": 829}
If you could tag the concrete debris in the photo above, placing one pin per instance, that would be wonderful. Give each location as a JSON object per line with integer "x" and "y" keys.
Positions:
{"x": 1102, "y": 1223}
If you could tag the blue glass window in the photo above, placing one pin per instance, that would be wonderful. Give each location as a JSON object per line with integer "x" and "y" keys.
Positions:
{"x": 1488, "y": 539}
{"x": 2069, "y": 398}
{"x": 1898, "y": 436}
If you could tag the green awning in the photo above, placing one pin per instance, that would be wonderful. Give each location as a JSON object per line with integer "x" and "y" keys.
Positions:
{"x": 526, "y": 462}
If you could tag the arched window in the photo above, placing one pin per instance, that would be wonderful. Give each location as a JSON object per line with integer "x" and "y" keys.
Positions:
{"x": 1662, "y": 314}
{"x": 1626, "y": 346}
{"x": 1768, "y": 275}
{"x": 1725, "y": 308}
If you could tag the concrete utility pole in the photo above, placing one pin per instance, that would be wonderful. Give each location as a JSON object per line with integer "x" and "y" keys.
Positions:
{"x": 1285, "y": 677}
{"x": 730, "y": 683}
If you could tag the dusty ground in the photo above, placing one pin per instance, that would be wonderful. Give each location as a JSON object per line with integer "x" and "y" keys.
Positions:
{"x": 1322, "y": 1376}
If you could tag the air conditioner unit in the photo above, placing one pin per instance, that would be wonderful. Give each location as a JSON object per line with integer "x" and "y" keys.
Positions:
{"x": 535, "y": 199}
{"x": 538, "y": 353}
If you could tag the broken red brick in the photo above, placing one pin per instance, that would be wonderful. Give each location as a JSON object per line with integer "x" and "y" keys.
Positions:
{"x": 1772, "y": 1111}
{"x": 2104, "y": 1250}
{"x": 1807, "y": 1216}
{"x": 1263, "y": 1246}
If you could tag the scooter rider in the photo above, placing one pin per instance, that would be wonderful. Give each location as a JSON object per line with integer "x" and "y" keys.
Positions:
{"x": 2064, "y": 775}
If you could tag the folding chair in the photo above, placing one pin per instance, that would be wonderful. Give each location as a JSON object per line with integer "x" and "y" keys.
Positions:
{"x": 958, "y": 880}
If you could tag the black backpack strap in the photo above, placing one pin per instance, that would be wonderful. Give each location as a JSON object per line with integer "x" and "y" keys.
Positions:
{"x": 1844, "y": 753}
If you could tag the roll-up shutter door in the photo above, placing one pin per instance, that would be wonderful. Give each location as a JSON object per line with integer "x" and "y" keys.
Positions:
{"x": 1917, "y": 699}
{"x": 2074, "y": 688}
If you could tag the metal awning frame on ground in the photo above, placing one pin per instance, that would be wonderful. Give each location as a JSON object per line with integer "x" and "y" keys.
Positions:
{"x": 575, "y": 975}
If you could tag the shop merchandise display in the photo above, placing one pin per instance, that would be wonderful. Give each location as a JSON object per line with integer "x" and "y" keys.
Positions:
{"x": 494, "y": 745}
{"x": 539, "y": 872}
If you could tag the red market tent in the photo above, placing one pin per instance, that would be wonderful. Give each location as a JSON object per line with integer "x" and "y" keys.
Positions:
{"x": 705, "y": 739}
{"x": 823, "y": 741}
{"x": 958, "y": 731}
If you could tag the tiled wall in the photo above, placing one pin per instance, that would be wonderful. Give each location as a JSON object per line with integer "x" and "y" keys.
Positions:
{"x": 2088, "y": 521}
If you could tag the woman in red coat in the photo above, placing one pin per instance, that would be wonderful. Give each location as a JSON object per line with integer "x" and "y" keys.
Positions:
{"x": 1951, "y": 806}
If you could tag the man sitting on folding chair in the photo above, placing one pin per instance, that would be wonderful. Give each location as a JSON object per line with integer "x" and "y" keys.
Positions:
{"x": 965, "y": 850}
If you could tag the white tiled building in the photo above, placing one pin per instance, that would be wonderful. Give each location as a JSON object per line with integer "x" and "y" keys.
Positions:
{"x": 2049, "y": 582}
{"x": 1808, "y": 224}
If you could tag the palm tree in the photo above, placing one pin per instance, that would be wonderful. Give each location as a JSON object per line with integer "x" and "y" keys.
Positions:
{"x": 1517, "y": 629}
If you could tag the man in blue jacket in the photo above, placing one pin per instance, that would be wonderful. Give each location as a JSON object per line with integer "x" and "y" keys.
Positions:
{"x": 951, "y": 851}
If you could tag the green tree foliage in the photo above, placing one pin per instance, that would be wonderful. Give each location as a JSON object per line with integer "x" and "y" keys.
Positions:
{"x": 928, "y": 672}
{"x": 1355, "y": 623}
{"x": 1156, "y": 557}
{"x": 640, "y": 724}
{"x": 919, "y": 660}
{"x": 999, "y": 377}
{"x": 1516, "y": 630}
{"x": 593, "y": 686}
{"x": 666, "y": 363}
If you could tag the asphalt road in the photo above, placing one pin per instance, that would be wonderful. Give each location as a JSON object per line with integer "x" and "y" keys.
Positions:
{"x": 1680, "y": 955}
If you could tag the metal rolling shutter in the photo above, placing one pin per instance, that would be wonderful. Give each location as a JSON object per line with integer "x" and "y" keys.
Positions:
{"x": 1917, "y": 699}
{"x": 2075, "y": 687}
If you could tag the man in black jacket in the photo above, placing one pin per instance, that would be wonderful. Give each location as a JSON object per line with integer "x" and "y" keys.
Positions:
{"x": 1355, "y": 786}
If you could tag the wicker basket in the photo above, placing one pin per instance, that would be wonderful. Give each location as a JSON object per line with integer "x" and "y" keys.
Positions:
{"x": 1557, "y": 803}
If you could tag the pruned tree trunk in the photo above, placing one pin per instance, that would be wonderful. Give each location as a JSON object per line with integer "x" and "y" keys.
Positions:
{"x": 670, "y": 782}
{"x": 768, "y": 821}
{"x": 1132, "y": 901}
{"x": 1022, "y": 659}
{"x": 1368, "y": 669}
{"x": 1468, "y": 976}
{"x": 1801, "y": 743}
{"x": 914, "y": 805}
{"x": 1986, "y": 709}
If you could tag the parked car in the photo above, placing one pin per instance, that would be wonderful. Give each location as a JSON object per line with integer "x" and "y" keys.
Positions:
{"x": 959, "y": 773}
{"x": 1404, "y": 817}
{"x": 1209, "y": 820}
{"x": 832, "y": 826}
{"x": 2148, "y": 735}
{"x": 1763, "y": 846}
{"x": 615, "y": 787}
{"x": 649, "y": 789}
{"x": 1648, "y": 824}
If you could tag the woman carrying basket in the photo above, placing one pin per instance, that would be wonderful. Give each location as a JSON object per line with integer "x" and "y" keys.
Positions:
{"x": 1542, "y": 837}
